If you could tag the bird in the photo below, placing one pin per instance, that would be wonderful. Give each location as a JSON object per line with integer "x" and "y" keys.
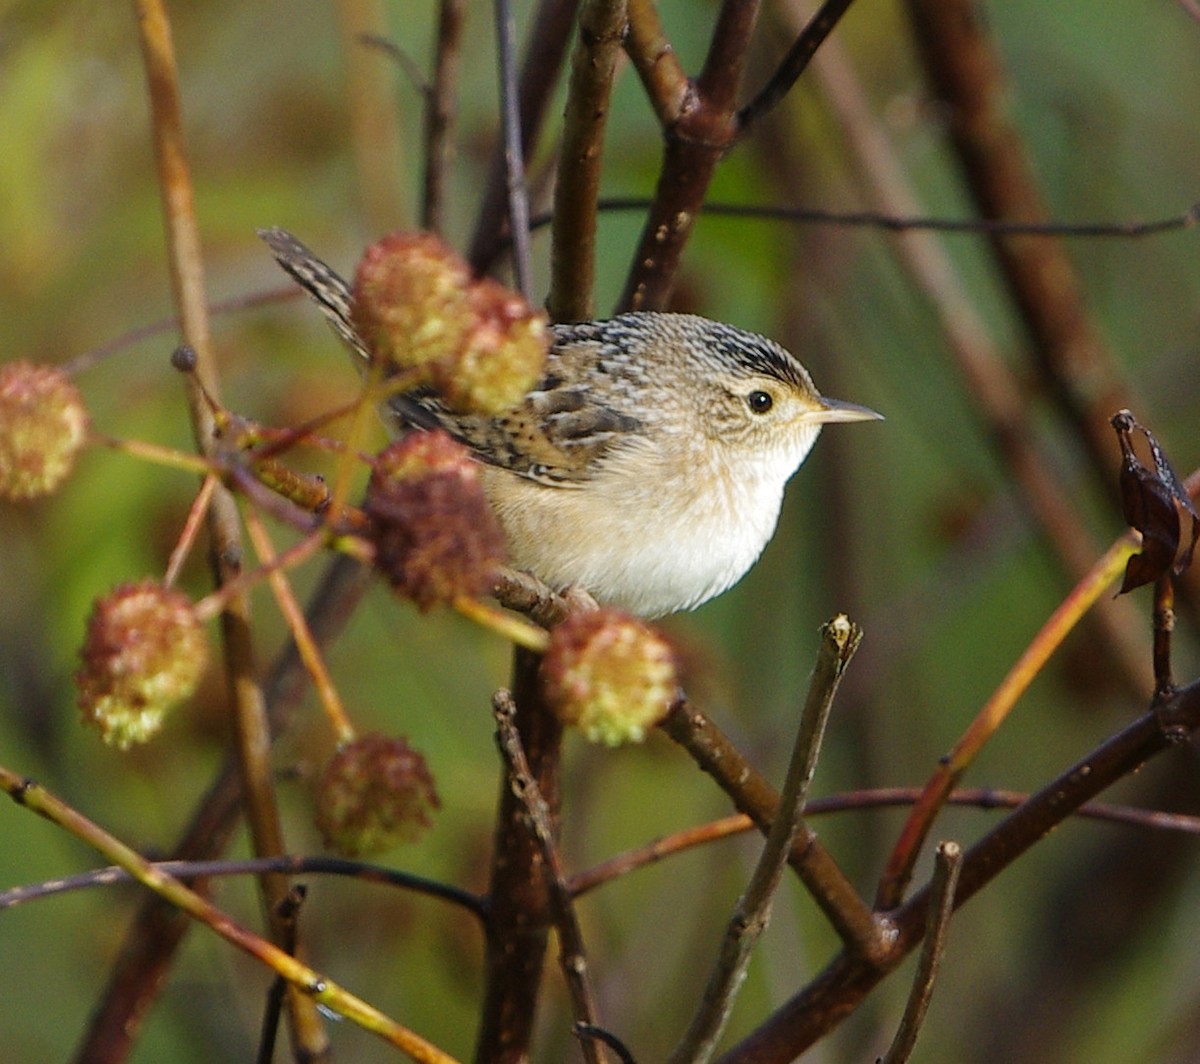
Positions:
{"x": 646, "y": 467}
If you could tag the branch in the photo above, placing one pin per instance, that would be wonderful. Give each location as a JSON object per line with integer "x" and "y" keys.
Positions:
{"x": 551, "y": 30}
{"x": 794, "y": 63}
{"x": 839, "y": 640}
{"x": 572, "y": 958}
{"x": 836, "y": 992}
{"x": 714, "y": 754}
{"x": 185, "y": 257}
{"x": 157, "y": 929}
{"x": 514, "y": 152}
{"x": 994, "y": 712}
{"x": 698, "y": 127}
{"x": 573, "y": 251}
{"x": 440, "y": 110}
{"x": 518, "y": 894}
{"x": 314, "y": 986}
{"x": 947, "y": 862}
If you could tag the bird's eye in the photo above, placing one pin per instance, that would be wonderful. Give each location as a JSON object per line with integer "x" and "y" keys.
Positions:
{"x": 760, "y": 402}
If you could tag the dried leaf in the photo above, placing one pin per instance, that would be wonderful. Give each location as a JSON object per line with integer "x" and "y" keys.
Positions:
{"x": 1150, "y": 502}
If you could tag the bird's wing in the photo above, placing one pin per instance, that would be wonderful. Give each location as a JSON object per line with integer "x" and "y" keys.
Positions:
{"x": 558, "y": 435}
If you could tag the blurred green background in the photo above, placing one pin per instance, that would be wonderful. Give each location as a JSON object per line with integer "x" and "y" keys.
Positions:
{"x": 1086, "y": 950}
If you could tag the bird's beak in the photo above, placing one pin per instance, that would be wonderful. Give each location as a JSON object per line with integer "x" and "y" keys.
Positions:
{"x": 837, "y": 410}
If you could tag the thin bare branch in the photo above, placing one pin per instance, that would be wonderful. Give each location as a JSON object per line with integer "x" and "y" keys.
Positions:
{"x": 751, "y": 794}
{"x": 835, "y": 993}
{"x": 313, "y": 985}
{"x": 252, "y": 733}
{"x": 839, "y": 640}
{"x": 573, "y": 251}
{"x": 699, "y": 126}
{"x": 993, "y": 713}
{"x": 440, "y": 110}
{"x": 157, "y": 928}
{"x": 514, "y": 152}
{"x": 518, "y": 893}
{"x": 572, "y": 957}
{"x": 947, "y": 862}
{"x": 794, "y": 63}
{"x": 551, "y": 22}
{"x": 292, "y": 865}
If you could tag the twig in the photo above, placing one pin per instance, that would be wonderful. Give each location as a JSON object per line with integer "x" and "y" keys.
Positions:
{"x": 1163, "y": 625}
{"x": 698, "y": 127}
{"x": 903, "y": 221}
{"x": 514, "y": 154}
{"x": 950, "y": 768}
{"x": 714, "y": 754}
{"x": 440, "y": 111}
{"x": 573, "y": 250}
{"x": 587, "y": 1031}
{"x": 157, "y": 928}
{"x": 197, "y": 512}
{"x": 572, "y": 958}
{"x": 631, "y": 860}
{"x": 794, "y": 63}
{"x": 292, "y": 865}
{"x": 835, "y": 993}
{"x": 839, "y": 640}
{"x": 518, "y": 893}
{"x": 700, "y": 124}
{"x": 312, "y": 984}
{"x": 982, "y": 798}
{"x": 185, "y": 258}
{"x": 947, "y": 862}
{"x": 552, "y": 22}
{"x": 314, "y": 663}
{"x": 289, "y": 915}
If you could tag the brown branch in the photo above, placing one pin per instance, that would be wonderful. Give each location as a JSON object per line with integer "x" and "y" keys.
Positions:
{"x": 157, "y": 928}
{"x": 839, "y": 641}
{"x": 1163, "y": 625}
{"x": 572, "y": 958}
{"x": 518, "y": 894}
{"x": 252, "y": 736}
{"x": 837, "y": 991}
{"x": 573, "y": 251}
{"x": 751, "y": 794}
{"x": 440, "y": 110}
{"x": 984, "y": 725}
{"x": 551, "y": 30}
{"x": 700, "y": 125}
{"x": 947, "y": 862}
{"x": 794, "y": 63}
{"x": 514, "y": 152}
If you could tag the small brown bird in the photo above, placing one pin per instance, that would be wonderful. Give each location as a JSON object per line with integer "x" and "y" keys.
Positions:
{"x": 648, "y": 465}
